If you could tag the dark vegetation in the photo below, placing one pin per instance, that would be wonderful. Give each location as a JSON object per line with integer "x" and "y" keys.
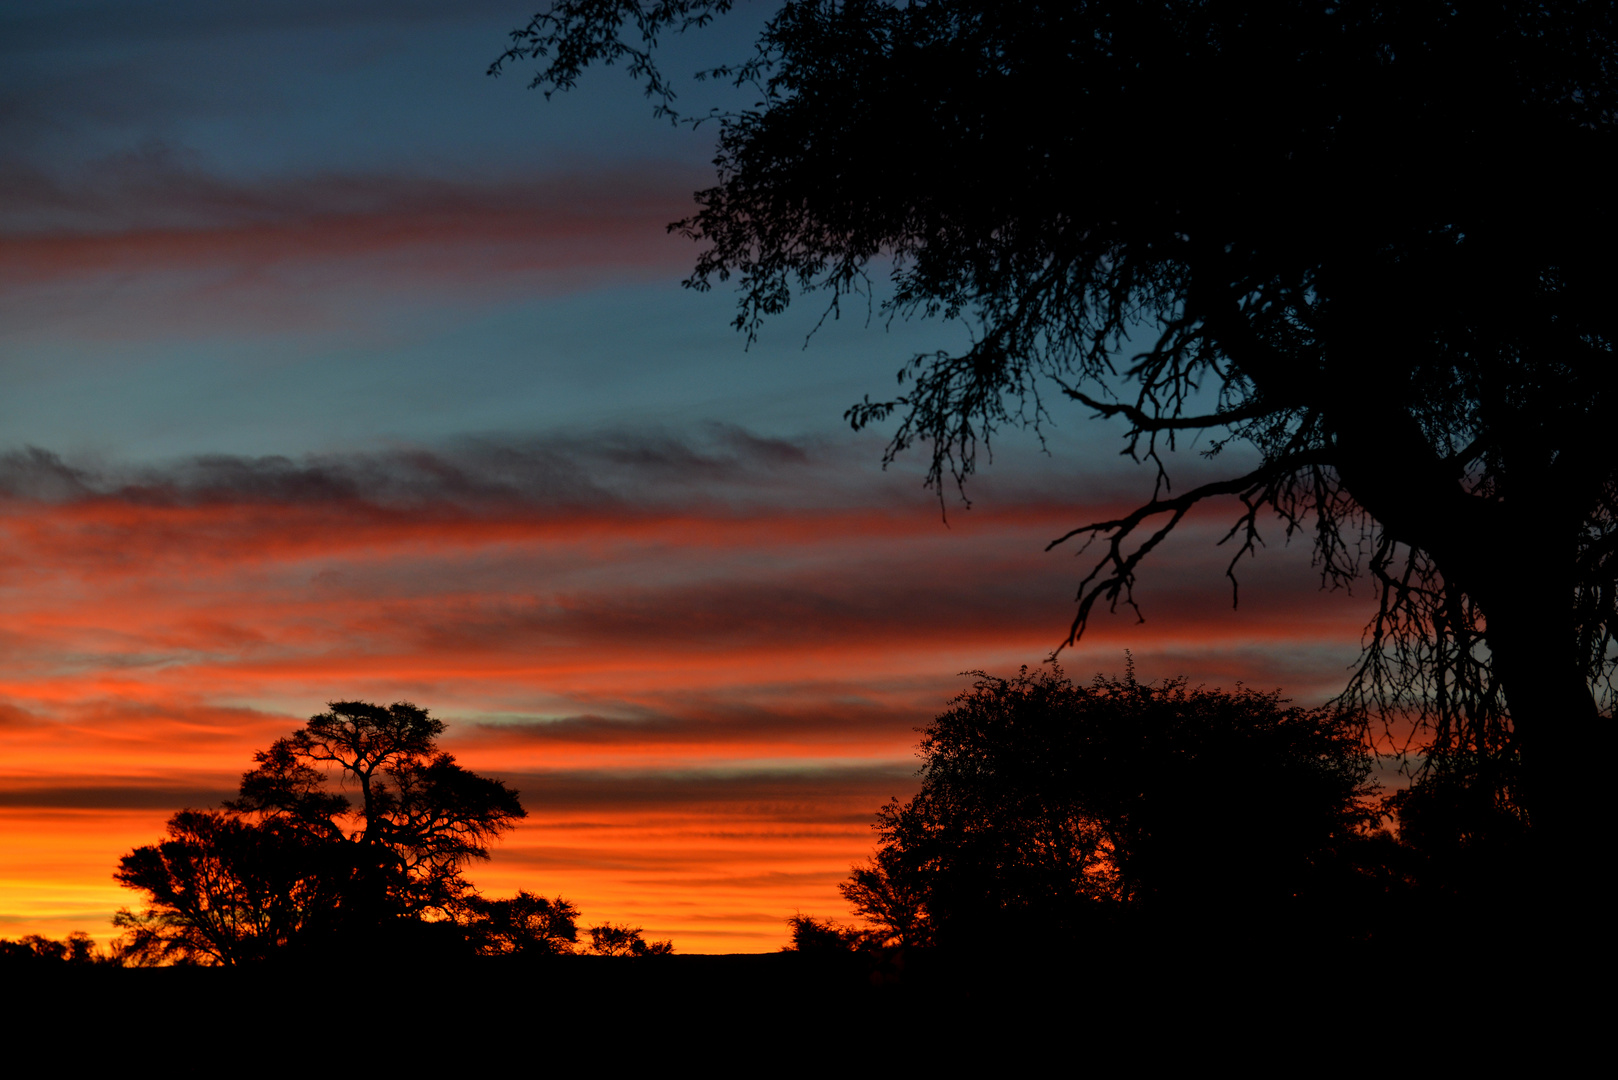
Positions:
{"x": 1139, "y": 849}
{"x": 352, "y": 834}
{"x": 1052, "y": 820}
{"x": 77, "y": 950}
{"x": 1123, "y": 817}
{"x": 1369, "y": 241}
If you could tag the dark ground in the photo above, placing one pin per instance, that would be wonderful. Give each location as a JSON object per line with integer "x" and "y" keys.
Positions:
{"x": 786, "y": 1012}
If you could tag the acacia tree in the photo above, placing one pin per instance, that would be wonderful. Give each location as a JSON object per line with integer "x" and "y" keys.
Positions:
{"x": 421, "y": 817}
{"x": 293, "y": 862}
{"x": 1370, "y": 239}
{"x": 525, "y": 924}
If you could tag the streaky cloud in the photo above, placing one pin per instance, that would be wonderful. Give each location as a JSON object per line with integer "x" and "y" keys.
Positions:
{"x": 591, "y": 469}
{"x": 108, "y": 793}
{"x": 793, "y": 793}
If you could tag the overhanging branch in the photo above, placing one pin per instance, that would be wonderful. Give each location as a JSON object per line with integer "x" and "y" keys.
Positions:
{"x": 1116, "y": 568}
{"x": 1144, "y": 421}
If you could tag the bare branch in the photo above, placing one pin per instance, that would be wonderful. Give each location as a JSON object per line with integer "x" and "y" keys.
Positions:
{"x": 1143, "y": 422}
{"x": 1116, "y": 568}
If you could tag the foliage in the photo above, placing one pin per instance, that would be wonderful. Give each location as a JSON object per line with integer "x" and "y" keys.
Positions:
{"x": 77, "y": 949}
{"x": 824, "y": 937}
{"x": 525, "y": 925}
{"x": 1368, "y": 240}
{"x": 421, "y": 816}
{"x": 292, "y": 863}
{"x": 889, "y": 899}
{"x": 224, "y": 890}
{"x": 1465, "y": 837}
{"x": 611, "y": 939}
{"x": 1047, "y": 808}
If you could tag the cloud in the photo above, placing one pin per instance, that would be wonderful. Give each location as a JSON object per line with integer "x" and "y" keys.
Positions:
{"x": 154, "y": 209}
{"x": 13, "y": 719}
{"x": 580, "y": 470}
{"x": 797, "y": 794}
{"x": 108, "y": 793}
{"x": 705, "y": 552}
{"x": 701, "y": 656}
{"x": 40, "y": 476}
{"x": 147, "y": 246}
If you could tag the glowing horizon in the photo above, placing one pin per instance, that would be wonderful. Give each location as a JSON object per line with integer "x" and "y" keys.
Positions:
{"x": 703, "y": 705}
{"x": 335, "y": 370}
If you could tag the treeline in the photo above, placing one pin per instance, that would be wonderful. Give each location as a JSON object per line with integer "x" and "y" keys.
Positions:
{"x": 78, "y": 949}
{"x": 1055, "y": 817}
{"x": 1052, "y": 818}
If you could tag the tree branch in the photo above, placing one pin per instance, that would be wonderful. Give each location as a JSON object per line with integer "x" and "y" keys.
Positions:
{"x": 1256, "y": 490}
{"x": 1144, "y": 422}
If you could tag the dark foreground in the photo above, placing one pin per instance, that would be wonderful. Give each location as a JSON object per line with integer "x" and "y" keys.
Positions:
{"x": 788, "y": 1011}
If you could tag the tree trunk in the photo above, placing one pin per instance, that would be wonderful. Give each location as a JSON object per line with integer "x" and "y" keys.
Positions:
{"x": 1563, "y": 741}
{"x": 1517, "y": 563}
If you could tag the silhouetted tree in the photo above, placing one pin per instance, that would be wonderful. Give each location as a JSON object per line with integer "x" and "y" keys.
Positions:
{"x": 610, "y": 939}
{"x": 525, "y": 925}
{"x": 1464, "y": 839}
{"x": 292, "y": 862}
{"x": 1370, "y": 240}
{"x": 77, "y": 949}
{"x": 1047, "y": 809}
{"x": 222, "y": 890}
{"x": 824, "y": 937}
{"x": 889, "y": 899}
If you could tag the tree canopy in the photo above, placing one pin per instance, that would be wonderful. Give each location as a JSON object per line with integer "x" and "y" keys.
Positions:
{"x": 292, "y": 863}
{"x": 1369, "y": 239}
{"x": 1049, "y": 809}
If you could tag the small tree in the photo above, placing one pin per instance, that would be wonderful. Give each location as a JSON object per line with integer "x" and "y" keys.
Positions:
{"x": 610, "y": 939}
{"x": 292, "y": 861}
{"x": 824, "y": 937}
{"x": 525, "y": 925}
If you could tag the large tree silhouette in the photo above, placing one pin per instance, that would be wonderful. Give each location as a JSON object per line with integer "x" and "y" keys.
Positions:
{"x": 1370, "y": 240}
{"x": 294, "y": 864}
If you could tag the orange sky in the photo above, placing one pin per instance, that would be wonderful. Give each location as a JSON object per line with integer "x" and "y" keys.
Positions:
{"x": 334, "y": 369}
{"x": 702, "y": 706}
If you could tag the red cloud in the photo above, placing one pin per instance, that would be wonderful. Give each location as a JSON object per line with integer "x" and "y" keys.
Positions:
{"x": 187, "y": 254}
{"x": 703, "y": 703}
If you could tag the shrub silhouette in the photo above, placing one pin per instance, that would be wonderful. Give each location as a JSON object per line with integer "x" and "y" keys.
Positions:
{"x": 1048, "y": 808}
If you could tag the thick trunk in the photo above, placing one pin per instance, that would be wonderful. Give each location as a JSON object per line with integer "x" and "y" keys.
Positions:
{"x": 1534, "y": 646}
{"x": 1562, "y": 739}
{"x": 1517, "y": 563}
{"x": 1515, "y": 556}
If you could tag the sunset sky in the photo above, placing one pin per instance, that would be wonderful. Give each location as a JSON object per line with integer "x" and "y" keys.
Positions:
{"x": 335, "y": 369}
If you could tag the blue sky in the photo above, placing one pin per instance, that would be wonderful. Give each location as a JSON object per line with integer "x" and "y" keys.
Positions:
{"x": 350, "y": 371}
{"x": 234, "y": 127}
